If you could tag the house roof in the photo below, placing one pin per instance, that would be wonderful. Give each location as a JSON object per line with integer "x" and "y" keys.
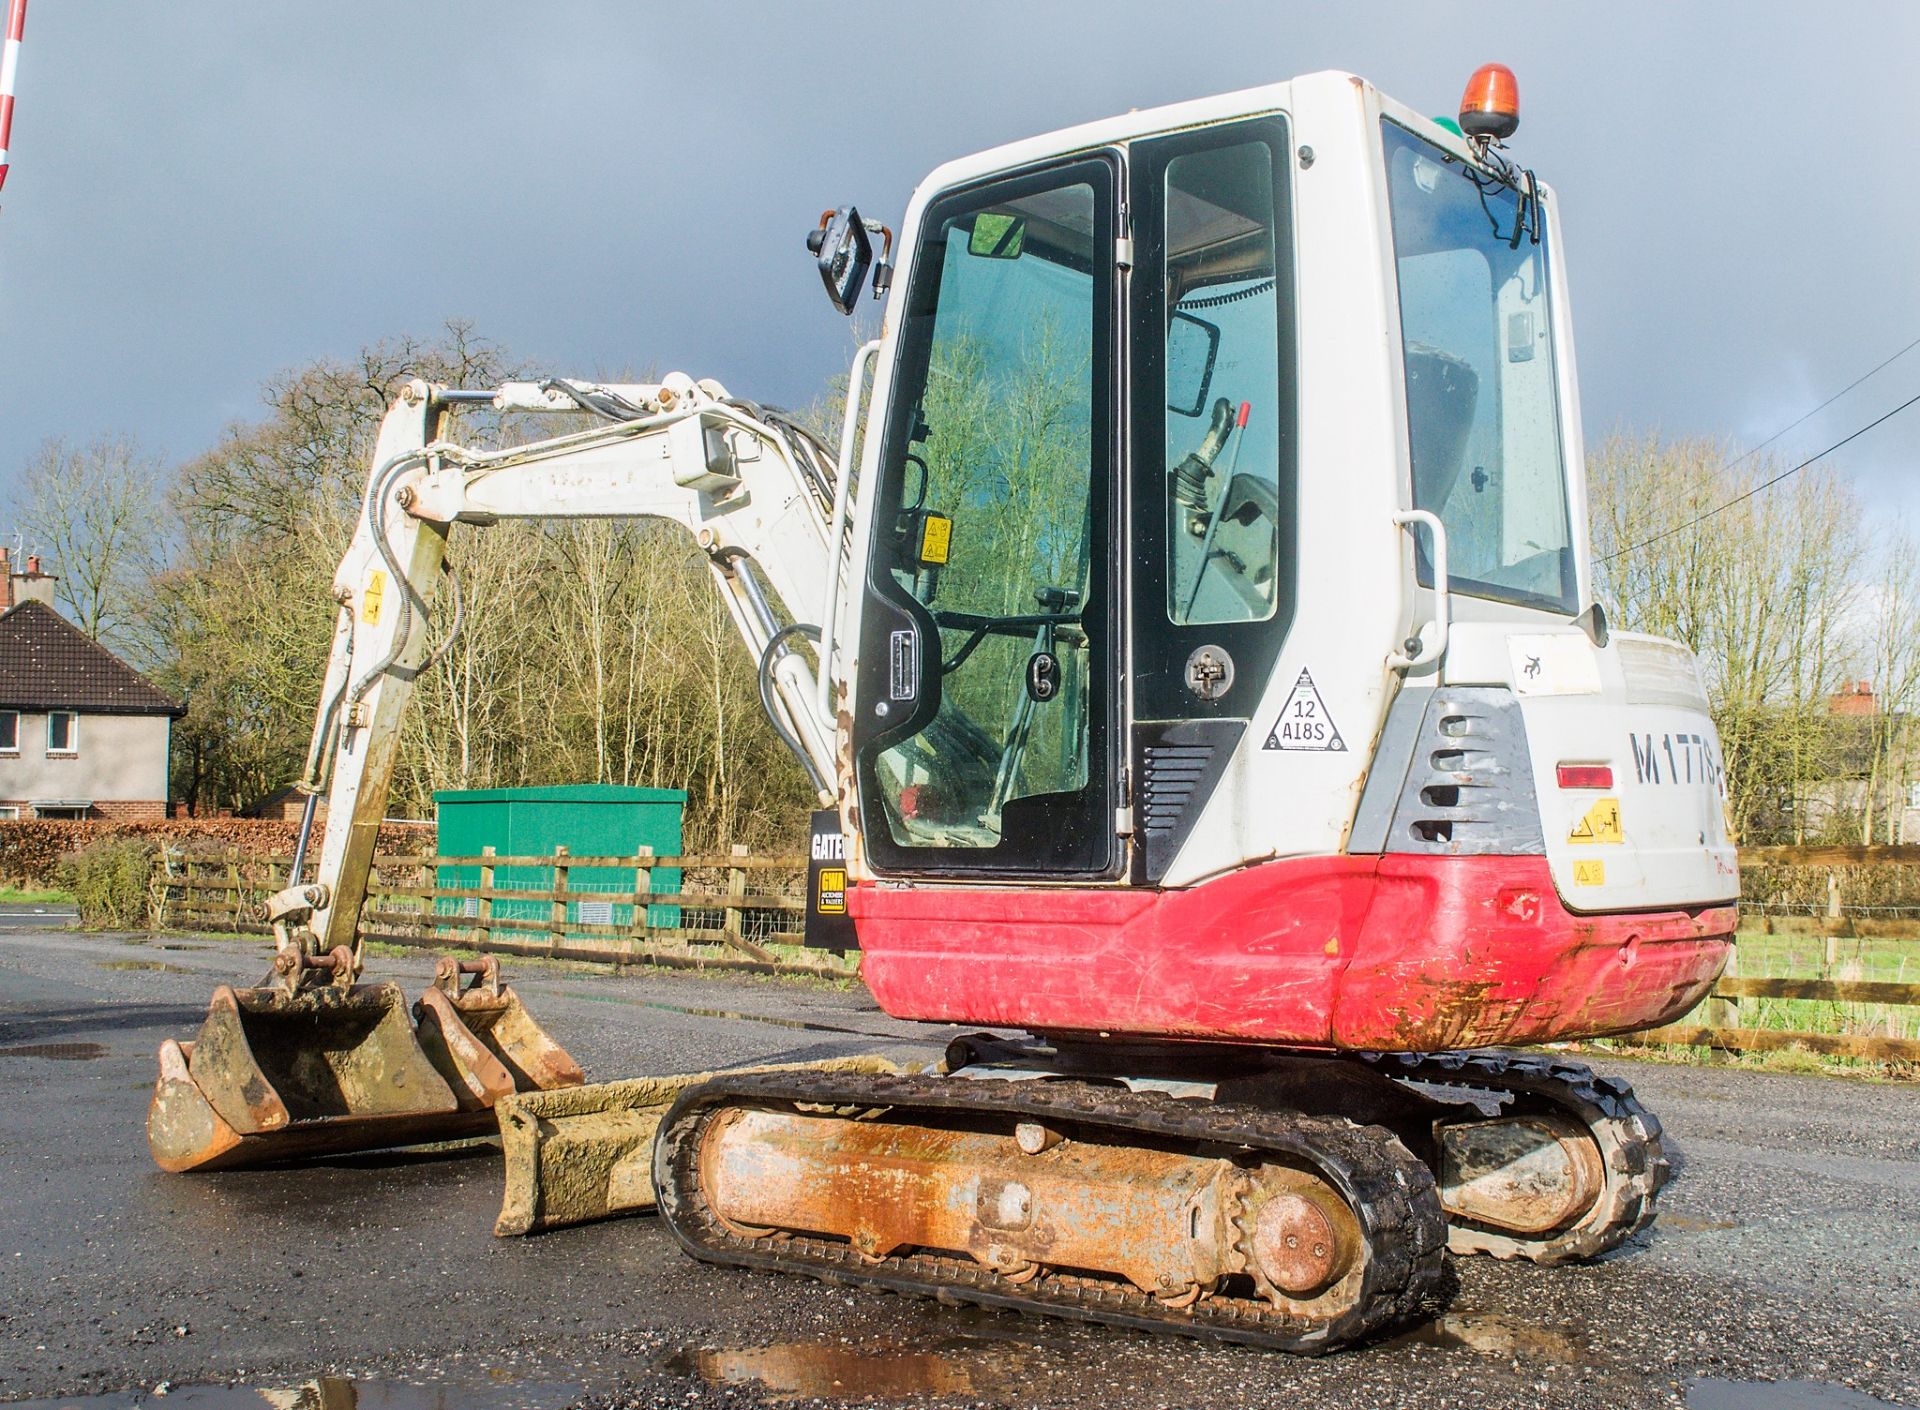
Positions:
{"x": 47, "y": 663}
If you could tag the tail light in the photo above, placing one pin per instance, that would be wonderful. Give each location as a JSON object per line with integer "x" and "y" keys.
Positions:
{"x": 1585, "y": 775}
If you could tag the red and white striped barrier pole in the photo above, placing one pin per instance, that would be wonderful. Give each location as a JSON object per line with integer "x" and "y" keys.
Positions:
{"x": 9, "y": 66}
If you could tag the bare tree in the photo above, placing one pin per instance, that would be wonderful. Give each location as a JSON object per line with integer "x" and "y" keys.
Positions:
{"x": 93, "y": 511}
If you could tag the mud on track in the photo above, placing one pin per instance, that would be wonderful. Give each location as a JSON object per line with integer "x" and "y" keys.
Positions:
{"x": 1787, "y": 1250}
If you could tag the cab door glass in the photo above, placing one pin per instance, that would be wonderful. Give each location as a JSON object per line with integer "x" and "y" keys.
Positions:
{"x": 1222, "y": 382}
{"x": 989, "y": 525}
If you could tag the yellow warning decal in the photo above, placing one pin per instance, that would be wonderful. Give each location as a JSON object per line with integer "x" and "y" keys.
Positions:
{"x": 1589, "y": 873}
{"x": 936, "y": 538}
{"x": 833, "y": 891}
{"x": 370, "y": 600}
{"x": 1601, "y": 824}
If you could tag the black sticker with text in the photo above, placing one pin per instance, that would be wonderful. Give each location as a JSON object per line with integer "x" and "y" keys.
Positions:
{"x": 1304, "y": 722}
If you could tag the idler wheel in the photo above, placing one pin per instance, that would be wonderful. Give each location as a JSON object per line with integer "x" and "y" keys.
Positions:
{"x": 1295, "y": 1246}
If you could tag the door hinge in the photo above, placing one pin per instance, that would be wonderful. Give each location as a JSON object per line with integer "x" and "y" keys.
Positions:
{"x": 1123, "y": 251}
{"x": 1123, "y": 821}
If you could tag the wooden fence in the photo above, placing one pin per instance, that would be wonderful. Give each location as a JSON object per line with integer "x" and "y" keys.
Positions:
{"x": 738, "y": 911}
{"x": 1717, "y": 1023}
{"x": 726, "y": 911}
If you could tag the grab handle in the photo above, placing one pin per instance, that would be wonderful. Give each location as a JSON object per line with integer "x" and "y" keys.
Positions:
{"x": 1425, "y": 645}
{"x": 837, "y": 525}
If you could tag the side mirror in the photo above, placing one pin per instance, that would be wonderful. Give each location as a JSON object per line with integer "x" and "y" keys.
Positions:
{"x": 844, "y": 249}
{"x": 1193, "y": 344}
{"x": 997, "y": 236}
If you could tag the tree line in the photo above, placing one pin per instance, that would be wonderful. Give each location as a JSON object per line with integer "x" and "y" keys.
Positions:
{"x": 600, "y": 651}
{"x": 592, "y": 651}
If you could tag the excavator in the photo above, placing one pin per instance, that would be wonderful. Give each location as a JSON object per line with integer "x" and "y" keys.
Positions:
{"x": 1193, "y": 642}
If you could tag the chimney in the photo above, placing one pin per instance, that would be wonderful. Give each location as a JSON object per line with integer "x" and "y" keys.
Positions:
{"x": 30, "y": 586}
{"x": 6, "y": 579}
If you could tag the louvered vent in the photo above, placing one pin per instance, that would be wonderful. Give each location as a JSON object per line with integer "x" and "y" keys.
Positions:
{"x": 1180, "y": 762}
{"x": 1470, "y": 790}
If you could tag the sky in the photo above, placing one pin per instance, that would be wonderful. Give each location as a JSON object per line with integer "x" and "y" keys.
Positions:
{"x": 205, "y": 192}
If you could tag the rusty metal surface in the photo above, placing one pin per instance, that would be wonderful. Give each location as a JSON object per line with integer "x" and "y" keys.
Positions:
{"x": 1167, "y": 1221}
{"x": 719, "y": 1137}
{"x": 1633, "y": 1160}
{"x": 1295, "y": 1245}
{"x": 334, "y": 1067}
{"x": 272, "y": 1077}
{"x": 578, "y": 1154}
{"x": 1528, "y": 1174}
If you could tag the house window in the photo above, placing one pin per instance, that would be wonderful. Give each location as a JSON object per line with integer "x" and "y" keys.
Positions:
{"x": 9, "y": 813}
{"x": 9, "y": 731}
{"x": 63, "y": 732}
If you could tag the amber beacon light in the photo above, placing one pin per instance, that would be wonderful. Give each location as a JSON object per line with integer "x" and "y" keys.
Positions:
{"x": 1490, "y": 108}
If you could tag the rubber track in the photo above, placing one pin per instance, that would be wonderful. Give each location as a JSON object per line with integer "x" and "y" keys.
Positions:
{"x": 1628, "y": 1135}
{"x": 1391, "y": 1191}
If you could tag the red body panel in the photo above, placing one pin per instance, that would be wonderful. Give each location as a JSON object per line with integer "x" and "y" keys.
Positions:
{"x": 1393, "y": 953}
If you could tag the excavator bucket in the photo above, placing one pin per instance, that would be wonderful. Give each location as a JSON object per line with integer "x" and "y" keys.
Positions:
{"x": 586, "y": 1153}
{"x": 274, "y": 1077}
{"x": 483, "y": 1041}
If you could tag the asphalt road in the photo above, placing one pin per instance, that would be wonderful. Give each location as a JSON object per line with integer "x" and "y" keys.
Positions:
{"x": 1788, "y": 1249}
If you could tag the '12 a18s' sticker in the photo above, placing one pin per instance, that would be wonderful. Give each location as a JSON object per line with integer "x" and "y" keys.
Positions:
{"x": 1304, "y": 722}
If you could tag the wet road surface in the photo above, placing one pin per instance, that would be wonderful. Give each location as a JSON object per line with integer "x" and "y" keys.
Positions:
{"x": 1788, "y": 1250}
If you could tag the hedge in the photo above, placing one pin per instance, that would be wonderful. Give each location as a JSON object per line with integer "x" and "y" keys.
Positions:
{"x": 31, "y": 849}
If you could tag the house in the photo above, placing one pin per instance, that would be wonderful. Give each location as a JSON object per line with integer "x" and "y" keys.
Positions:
{"x": 82, "y": 734}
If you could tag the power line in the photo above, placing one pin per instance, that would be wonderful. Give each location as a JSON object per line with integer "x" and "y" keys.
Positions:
{"x": 1765, "y": 484}
{"x": 1824, "y": 405}
{"x": 1752, "y": 451}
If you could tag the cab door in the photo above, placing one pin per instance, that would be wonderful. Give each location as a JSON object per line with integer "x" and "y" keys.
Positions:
{"x": 986, "y": 700}
{"x": 1214, "y": 461}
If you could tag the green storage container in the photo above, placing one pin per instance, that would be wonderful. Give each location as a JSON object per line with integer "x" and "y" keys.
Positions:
{"x": 589, "y": 820}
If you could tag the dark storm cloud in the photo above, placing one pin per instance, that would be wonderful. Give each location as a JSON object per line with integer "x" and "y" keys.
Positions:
{"x": 205, "y": 192}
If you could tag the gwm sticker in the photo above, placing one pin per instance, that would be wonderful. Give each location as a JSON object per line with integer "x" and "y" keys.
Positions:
{"x": 1304, "y": 722}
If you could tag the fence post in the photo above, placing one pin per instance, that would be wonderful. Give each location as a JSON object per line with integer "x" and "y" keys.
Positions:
{"x": 1836, "y": 913}
{"x": 731, "y": 928}
{"x": 484, "y": 911}
{"x": 1722, "y": 1013}
{"x": 234, "y": 892}
{"x": 640, "y": 928}
{"x": 557, "y": 925}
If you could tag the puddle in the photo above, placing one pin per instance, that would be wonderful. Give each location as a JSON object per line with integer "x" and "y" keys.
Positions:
{"x": 1497, "y": 1335}
{"x": 1779, "y": 1395}
{"x": 1691, "y": 1224}
{"x": 320, "y": 1393}
{"x": 59, "y": 1052}
{"x": 158, "y": 966}
{"x": 802, "y": 1370}
{"x": 186, "y": 947}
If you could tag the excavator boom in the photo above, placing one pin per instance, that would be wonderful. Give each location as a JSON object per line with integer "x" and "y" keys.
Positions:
{"x": 316, "y": 1063}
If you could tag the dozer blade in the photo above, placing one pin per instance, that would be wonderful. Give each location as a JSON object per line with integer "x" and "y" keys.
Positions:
{"x": 487, "y": 1046}
{"x": 584, "y": 1153}
{"x": 273, "y": 1077}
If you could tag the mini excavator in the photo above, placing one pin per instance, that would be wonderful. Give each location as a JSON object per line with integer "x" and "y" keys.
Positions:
{"x": 1193, "y": 641}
